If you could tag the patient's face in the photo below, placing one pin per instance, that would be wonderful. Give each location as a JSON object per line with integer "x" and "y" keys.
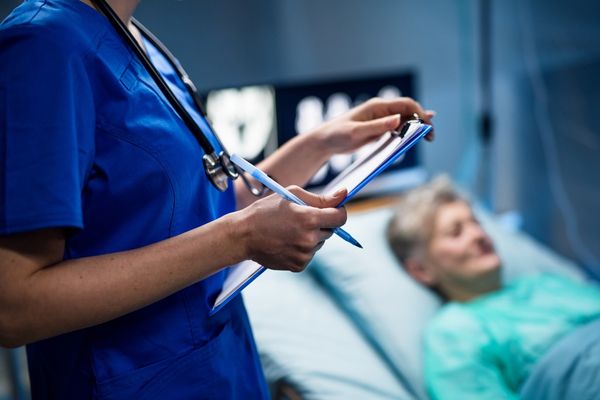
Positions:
{"x": 460, "y": 254}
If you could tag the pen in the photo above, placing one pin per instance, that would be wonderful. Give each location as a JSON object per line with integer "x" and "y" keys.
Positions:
{"x": 283, "y": 192}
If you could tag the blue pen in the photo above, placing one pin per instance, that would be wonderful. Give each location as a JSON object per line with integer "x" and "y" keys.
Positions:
{"x": 283, "y": 192}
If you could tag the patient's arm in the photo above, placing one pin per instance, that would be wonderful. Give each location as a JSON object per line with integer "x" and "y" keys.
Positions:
{"x": 459, "y": 362}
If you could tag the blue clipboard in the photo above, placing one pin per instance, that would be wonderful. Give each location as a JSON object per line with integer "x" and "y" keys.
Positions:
{"x": 416, "y": 131}
{"x": 251, "y": 271}
{"x": 241, "y": 275}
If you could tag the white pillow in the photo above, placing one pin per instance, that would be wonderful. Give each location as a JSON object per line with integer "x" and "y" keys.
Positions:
{"x": 303, "y": 336}
{"x": 522, "y": 255}
{"x": 385, "y": 303}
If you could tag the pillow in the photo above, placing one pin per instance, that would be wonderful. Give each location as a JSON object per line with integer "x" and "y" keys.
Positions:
{"x": 387, "y": 305}
{"x": 521, "y": 254}
{"x": 303, "y": 337}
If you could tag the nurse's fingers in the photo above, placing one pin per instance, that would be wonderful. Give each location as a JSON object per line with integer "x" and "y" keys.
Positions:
{"x": 319, "y": 201}
{"x": 330, "y": 217}
{"x": 319, "y": 245}
{"x": 325, "y": 234}
{"x": 406, "y": 106}
{"x": 372, "y": 129}
{"x": 431, "y": 135}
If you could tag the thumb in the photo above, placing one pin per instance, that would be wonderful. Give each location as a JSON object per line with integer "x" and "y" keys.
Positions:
{"x": 332, "y": 200}
{"x": 320, "y": 201}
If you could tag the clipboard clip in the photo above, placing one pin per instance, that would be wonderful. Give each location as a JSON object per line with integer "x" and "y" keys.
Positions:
{"x": 407, "y": 125}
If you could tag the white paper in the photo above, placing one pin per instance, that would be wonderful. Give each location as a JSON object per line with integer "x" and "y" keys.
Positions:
{"x": 237, "y": 276}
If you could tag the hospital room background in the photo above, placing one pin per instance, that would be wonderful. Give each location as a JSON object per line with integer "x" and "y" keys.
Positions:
{"x": 515, "y": 83}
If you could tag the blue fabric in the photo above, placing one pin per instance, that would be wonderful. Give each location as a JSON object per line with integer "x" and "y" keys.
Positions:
{"x": 570, "y": 370}
{"x": 88, "y": 143}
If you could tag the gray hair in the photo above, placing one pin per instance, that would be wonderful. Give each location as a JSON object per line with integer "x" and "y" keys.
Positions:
{"x": 412, "y": 223}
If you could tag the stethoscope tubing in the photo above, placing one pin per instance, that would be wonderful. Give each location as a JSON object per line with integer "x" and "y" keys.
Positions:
{"x": 217, "y": 166}
{"x": 191, "y": 88}
{"x": 122, "y": 30}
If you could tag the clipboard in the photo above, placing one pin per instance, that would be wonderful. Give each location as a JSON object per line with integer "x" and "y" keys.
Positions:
{"x": 238, "y": 277}
{"x": 388, "y": 149}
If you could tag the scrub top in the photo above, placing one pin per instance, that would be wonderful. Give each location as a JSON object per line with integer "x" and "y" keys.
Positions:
{"x": 88, "y": 143}
{"x": 486, "y": 348}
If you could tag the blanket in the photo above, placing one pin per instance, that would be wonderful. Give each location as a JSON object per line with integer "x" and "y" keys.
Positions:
{"x": 570, "y": 370}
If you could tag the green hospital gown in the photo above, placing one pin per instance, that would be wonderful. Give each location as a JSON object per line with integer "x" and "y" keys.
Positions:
{"x": 484, "y": 349}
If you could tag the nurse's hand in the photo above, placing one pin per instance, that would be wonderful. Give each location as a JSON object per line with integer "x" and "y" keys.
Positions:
{"x": 301, "y": 157}
{"x": 282, "y": 235}
{"x": 368, "y": 121}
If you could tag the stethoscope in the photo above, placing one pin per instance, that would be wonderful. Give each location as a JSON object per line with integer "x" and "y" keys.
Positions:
{"x": 217, "y": 166}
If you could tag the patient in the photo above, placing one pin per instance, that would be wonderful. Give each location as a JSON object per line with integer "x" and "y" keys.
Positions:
{"x": 488, "y": 336}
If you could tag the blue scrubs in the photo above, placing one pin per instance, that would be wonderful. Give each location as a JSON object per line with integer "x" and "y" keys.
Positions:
{"x": 88, "y": 143}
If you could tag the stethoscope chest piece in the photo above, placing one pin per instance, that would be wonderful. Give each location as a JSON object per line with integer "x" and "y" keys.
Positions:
{"x": 219, "y": 169}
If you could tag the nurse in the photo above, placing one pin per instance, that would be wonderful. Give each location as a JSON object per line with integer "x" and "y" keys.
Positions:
{"x": 113, "y": 242}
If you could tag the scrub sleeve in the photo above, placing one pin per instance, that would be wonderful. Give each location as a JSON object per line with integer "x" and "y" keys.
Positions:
{"x": 87, "y": 143}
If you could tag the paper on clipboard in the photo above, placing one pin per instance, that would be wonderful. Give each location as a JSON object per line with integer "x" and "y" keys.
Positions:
{"x": 238, "y": 277}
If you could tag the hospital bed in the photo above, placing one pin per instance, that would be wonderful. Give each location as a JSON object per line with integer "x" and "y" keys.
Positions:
{"x": 350, "y": 326}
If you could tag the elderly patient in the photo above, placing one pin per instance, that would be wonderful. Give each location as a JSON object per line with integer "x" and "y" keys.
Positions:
{"x": 485, "y": 340}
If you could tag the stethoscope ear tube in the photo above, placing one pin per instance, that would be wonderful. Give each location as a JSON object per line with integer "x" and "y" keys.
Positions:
{"x": 218, "y": 167}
